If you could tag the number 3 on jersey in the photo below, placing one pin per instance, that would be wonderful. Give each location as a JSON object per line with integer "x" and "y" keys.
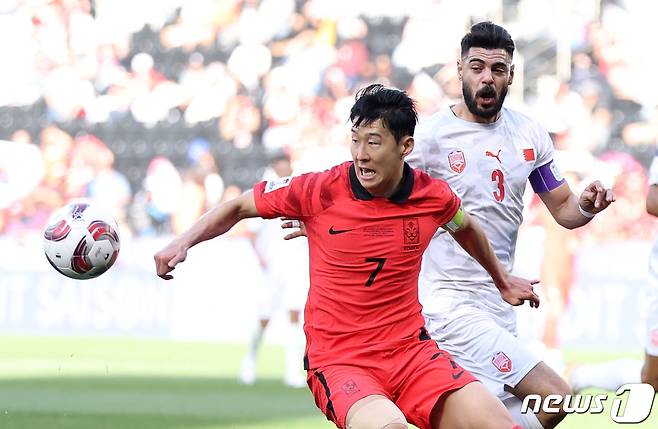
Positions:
{"x": 498, "y": 177}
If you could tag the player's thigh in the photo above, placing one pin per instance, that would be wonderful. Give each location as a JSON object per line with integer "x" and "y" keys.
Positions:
{"x": 424, "y": 376}
{"x": 490, "y": 352}
{"x": 543, "y": 381}
{"x": 471, "y": 407}
{"x": 375, "y": 412}
{"x": 336, "y": 388}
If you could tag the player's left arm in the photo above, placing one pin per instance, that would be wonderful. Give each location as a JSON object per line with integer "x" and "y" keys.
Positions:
{"x": 468, "y": 233}
{"x": 571, "y": 211}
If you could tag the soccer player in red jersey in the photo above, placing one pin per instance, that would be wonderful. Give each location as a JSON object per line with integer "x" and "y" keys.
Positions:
{"x": 370, "y": 362}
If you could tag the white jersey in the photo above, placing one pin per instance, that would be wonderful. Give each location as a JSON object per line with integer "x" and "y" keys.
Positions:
{"x": 487, "y": 166}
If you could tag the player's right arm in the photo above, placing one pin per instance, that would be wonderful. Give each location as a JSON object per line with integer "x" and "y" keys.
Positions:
{"x": 213, "y": 223}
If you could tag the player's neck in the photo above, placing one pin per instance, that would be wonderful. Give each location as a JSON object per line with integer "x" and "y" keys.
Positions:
{"x": 462, "y": 112}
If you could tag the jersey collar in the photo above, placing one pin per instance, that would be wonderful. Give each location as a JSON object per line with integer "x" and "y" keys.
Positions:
{"x": 400, "y": 196}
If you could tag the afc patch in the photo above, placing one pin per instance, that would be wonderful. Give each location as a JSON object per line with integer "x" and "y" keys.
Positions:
{"x": 502, "y": 362}
{"x": 457, "y": 161}
{"x": 273, "y": 185}
{"x": 350, "y": 387}
{"x": 411, "y": 233}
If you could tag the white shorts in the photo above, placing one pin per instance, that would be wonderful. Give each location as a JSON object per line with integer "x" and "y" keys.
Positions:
{"x": 485, "y": 348}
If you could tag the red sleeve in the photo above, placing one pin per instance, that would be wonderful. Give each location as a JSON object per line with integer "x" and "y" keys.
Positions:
{"x": 286, "y": 196}
{"x": 448, "y": 201}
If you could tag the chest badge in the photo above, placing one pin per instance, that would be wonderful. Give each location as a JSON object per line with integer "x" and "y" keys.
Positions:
{"x": 411, "y": 233}
{"x": 457, "y": 161}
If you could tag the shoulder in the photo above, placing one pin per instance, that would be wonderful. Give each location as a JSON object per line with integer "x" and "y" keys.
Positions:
{"x": 426, "y": 186}
{"x": 427, "y": 125}
{"x": 523, "y": 121}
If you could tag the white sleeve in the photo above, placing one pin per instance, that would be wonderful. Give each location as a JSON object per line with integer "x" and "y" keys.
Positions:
{"x": 544, "y": 146}
{"x": 422, "y": 139}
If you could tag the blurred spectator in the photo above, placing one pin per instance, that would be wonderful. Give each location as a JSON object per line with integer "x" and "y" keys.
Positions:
{"x": 247, "y": 77}
{"x": 156, "y": 201}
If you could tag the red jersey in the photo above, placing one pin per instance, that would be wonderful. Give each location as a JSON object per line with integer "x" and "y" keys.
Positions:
{"x": 365, "y": 255}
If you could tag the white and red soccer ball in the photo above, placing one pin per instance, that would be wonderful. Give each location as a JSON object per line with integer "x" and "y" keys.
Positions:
{"x": 81, "y": 241}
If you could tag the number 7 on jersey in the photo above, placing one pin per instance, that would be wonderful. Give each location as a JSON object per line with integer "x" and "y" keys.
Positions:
{"x": 380, "y": 264}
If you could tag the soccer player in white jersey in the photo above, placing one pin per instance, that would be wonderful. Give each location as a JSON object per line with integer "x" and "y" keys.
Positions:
{"x": 285, "y": 287}
{"x": 611, "y": 375}
{"x": 487, "y": 153}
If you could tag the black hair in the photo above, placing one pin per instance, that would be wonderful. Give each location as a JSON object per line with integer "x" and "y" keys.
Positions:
{"x": 487, "y": 35}
{"x": 393, "y": 106}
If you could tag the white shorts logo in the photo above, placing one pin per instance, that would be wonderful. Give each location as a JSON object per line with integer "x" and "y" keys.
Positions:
{"x": 638, "y": 404}
{"x": 502, "y": 362}
{"x": 273, "y": 185}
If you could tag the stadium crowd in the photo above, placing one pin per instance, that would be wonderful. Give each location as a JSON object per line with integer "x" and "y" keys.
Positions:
{"x": 150, "y": 106}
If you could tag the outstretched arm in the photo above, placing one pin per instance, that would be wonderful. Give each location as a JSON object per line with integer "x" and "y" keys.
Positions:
{"x": 213, "y": 223}
{"x": 573, "y": 212}
{"x": 468, "y": 233}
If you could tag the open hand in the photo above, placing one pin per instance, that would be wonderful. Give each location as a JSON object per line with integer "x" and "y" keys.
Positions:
{"x": 595, "y": 198}
{"x": 518, "y": 290}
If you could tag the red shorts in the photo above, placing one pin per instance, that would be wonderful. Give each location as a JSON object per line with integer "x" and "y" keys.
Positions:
{"x": 414, "y": 376}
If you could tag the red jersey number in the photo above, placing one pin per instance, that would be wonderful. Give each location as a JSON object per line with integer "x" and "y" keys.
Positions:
{"x": 378, "y": 268}
{"x": 498, "y": 177}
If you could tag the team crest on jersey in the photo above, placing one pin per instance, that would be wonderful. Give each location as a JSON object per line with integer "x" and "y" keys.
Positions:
{"x": 273, "y": 185}
{"x": 457, "y": 161}
{"x": 502, "y": 362}
{"x": 411, "y": 233}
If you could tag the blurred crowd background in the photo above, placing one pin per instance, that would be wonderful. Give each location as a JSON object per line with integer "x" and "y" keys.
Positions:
{"x": 159, "y": 109}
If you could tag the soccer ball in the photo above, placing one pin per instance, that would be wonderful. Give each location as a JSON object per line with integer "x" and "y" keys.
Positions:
{"x": 81, "y": 241}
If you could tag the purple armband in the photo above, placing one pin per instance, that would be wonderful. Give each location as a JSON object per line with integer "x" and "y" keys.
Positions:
{"x": 545, "y": 178}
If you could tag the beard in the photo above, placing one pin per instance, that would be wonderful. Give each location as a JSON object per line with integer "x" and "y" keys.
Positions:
{"x": 486, "y": 92}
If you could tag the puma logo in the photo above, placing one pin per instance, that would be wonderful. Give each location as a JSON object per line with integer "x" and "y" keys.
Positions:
{"x": 491, "y": 154}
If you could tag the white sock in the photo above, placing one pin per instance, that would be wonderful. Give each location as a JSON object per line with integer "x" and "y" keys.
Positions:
{"x": 607, "y": 375}
{"x": 528, "y": 420}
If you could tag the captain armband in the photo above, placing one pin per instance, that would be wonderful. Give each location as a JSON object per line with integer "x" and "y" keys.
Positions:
{"x": 546, "y": 178}
{"x": 457, "y": 221}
